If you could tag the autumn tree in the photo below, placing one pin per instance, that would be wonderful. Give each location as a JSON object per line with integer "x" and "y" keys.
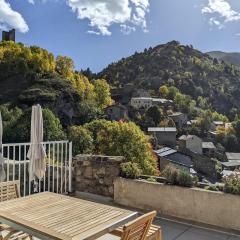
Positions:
{"x": 64, "y": 66}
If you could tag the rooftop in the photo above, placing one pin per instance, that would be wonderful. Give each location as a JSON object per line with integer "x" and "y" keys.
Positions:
{"x": 188, "y": 137}
{"x": 208, "y": 145}
{"x": 162, "y": 129}
{"x": 232, "y": 156}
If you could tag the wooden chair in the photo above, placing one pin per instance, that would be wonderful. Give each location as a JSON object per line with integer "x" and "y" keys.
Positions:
{"x": 140, "y": 229}
{"x": 8, "y": 191}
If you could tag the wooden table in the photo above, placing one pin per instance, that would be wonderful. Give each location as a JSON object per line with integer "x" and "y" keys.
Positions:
{"x": 53, "y": 216}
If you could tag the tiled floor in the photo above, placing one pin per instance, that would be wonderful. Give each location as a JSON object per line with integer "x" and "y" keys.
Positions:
{"x": 178, "y": 231}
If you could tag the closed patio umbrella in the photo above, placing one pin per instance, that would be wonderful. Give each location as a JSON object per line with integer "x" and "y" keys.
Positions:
{"x": 2, "y": 171}
{"x": 36, "y": 153}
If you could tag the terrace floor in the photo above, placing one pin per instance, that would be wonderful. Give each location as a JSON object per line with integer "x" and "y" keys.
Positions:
{"x": 179, "y": 231}
{"x": 172, "y": 229}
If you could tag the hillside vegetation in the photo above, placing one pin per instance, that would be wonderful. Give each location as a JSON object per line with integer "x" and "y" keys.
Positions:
{"x": 30, "y": 75}
{"x": 231, "y": 58}
{"x": 191, "y": 71}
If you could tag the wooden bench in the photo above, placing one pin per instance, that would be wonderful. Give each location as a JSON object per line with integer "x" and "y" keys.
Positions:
{"x": 8, "y": 191}
{"x": 153, "y": 232}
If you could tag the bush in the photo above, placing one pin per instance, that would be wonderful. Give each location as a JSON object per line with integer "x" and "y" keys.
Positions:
{"x": 176, "y": 176}
{"x": 232, "y": 184}
{"x": 130, "y": 170}
{"x": 185, "y": 179}
{"x": 171, "y": 174}
{"x": 123, "y": 139}
{"x": 82, "y": 140}
{"x": 212, "y": 188}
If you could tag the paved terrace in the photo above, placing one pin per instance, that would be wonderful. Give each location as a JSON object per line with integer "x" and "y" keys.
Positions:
{"x": 172, "y": 229}
{"x": 179, "y": 231}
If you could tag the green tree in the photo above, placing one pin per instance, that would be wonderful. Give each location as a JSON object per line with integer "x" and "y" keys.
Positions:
{"x": 155, "y": 114}
{"x": 163, "y": 90}
{"x": 82, "y": 140}
{"x": 64, "y": 66}
{"x": 18, "y": 129}
{"x": 123, "y": 139}
{"x": 102, "y": 93}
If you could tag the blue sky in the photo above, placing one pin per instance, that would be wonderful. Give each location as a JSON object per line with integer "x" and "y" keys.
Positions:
{"x": 94, "y": 35}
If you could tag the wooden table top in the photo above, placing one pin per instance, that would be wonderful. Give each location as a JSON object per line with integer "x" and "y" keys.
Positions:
{"x": 53, "y": 216}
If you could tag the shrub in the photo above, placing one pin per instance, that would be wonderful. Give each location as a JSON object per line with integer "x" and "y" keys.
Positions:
{"x": 171, "y": 174}
{"x": 130, "y": 170}
{"x": 82, "y": 140}
{"x": 151, "y": 179}
{"x": 232, "y": 184}
{"x": 212, "y": 188}
{"x": 176, "y": 176}
{"x": 185, "y": 179}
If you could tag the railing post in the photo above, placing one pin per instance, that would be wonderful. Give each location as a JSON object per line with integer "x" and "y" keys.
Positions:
{"x": 70, "y": 168}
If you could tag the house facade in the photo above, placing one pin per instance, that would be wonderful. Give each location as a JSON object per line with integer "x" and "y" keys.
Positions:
{"x": 191, "y": 142}
{"x": 164, "y": 135}
{"x": 180, "y": 119}
{"x": 147, "y": 102}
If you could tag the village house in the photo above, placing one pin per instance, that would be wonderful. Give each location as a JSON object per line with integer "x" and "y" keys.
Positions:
{"x": 164, "y": 135}
{"x": 116, "y": 112}
{"x": 233, "y": 161}
{"x": 171, "y": 156}
{"x": 147, "y": 102}
{"x": 180, "y": 119}
{"x": 208, "y": 149}
{"x": 216, "y": 124}
{"x": 191, "y": 142}
{"x": 192, "y": 122}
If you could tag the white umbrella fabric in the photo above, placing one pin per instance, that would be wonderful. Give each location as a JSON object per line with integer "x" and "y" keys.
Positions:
{"x": 2, "y": 171}
{"x": 36, "y": 153}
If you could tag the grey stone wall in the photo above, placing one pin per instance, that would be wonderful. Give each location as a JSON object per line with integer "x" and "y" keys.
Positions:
{"x": 202, "y": 164}
{"x": 96, "y": 173}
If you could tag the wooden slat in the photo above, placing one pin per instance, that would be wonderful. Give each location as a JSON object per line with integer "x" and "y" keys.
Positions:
{"x": 61, "y": 217}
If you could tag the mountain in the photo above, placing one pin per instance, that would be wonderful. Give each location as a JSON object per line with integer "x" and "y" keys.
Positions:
{"x": 231, "y": 58}
{"x": 194, "y": 73}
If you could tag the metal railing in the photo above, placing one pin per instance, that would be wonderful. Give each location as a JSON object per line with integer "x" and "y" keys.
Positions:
{"x": 58, "y": 175}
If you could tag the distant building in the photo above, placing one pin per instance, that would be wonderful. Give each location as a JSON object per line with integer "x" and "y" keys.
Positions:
{"x": 147, "y": 102}
{"x": 192, "y": 122}
{"x": 191, "y": 142}
{"x": 233, "y": 161}
{"x": 228, "y": 125}
{"x": 116, "y": 112}
{"x": 232, "y": 156}
{"x": 164, "y": 135}
{"x": 208, "y": 149}
{"x": 171, "y": 156}
{"x": 216, "y": 124}
{"x": 8, "y": 36}
{"x": 179, "y": 118}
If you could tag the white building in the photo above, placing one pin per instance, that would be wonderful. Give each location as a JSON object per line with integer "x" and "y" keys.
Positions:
{"x": 147, "y": 102}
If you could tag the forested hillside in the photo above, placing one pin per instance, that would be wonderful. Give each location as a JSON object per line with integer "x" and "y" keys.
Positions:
{"x": 30, "y": 75}
{"x": 191, "y": 71}
{"x": 231, "y": 58}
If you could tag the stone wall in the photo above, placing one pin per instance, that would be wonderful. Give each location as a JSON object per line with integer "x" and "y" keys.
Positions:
{"x": 200, "y": 206}
{"x": 95, "y": 173}
{"x": 202, "y": 164}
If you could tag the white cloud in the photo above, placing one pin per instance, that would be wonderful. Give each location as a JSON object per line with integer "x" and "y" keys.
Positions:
{"x": 104, "y": 13}
{"x": 125, "y": 29}
{"x": 223, "y": 11}
{"x": 10, "y": 18}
